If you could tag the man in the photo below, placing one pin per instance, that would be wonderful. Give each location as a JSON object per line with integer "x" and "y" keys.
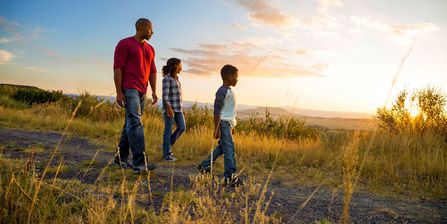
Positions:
{"x": 134, "y": 66}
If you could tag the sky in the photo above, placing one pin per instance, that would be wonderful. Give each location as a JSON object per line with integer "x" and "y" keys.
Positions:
{"x": 334, "y": 55}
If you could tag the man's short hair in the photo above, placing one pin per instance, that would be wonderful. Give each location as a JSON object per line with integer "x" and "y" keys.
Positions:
{"x": 140, "y": 22}
{"x": 227, "y": 71}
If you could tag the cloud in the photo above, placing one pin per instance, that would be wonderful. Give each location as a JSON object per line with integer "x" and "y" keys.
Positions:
{"x": 302, "y": 51}
{"x": 237, "y": 26}
{"x": 325, "y": 5}
{"x": 36, "y": 69}
{"x": 4, "y": 40}
{"x": 397, "y": 31}
{"x": 19, "y": 33}
{"x": 264, "y": 12}
{"x": 5, "y": 57}
{"x": 208, "y": 59}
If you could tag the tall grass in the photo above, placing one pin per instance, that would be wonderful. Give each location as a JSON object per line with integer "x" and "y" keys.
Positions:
{"x": 68, "y": 201}
{"x": 405, "y": 164}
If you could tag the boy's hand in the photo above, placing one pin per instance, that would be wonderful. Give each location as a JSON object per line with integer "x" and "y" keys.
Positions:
{"x": 170, "y": 112}
{"x": 217, "y": 134}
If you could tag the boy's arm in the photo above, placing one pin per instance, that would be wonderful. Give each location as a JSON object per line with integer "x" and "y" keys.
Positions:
{"x": 216, "y": 134}
{"x": 218, "y": 105}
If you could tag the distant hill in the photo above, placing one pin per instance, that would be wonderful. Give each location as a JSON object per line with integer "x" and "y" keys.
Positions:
{"x": 315, "y": 118}
{"x": 327, "y": 114}
{"x": 274, "y": 112}
{"x": 14, "y": 86}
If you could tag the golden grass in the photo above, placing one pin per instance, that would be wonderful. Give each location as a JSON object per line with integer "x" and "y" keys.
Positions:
{"x": 404, "y": 164}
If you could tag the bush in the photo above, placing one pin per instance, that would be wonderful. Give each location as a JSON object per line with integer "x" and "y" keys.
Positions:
{"x": 428, "y": 107}
{"x": 32, "y": 96}
{"x": 284, "y": 127}
{"x": 198, "y": 116}
{"x": 8, "y": 102}
{"x": 96, "y": 109}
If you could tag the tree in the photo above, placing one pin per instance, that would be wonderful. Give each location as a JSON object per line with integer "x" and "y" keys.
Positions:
{"x": 430, "y": 104}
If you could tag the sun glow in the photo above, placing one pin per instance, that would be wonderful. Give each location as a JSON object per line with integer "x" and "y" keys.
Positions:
{"x": 414, "y": 111}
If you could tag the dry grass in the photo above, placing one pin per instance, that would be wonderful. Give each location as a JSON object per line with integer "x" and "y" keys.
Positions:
{"x": 404, "y": 164}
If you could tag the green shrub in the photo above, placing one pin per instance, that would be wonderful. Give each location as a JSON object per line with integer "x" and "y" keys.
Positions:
{"x": 423, "y": 111}
{"x": 283, "y": 127}
{"x": 33, "y": 96}
{"x": 96, "y": 109}
{"x": 198, "y": 116}
{"x": 8, "y": 102}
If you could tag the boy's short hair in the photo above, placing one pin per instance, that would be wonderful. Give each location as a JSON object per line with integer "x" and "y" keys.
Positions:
{"x": 227, "y": 71}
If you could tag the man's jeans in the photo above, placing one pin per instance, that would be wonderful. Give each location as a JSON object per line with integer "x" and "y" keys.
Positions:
{"x": 133, "y": 131}
{"x": 170, "y": 138}
{"x": 225, "y": 147}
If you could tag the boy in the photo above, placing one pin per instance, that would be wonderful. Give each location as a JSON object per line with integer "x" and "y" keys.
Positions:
{"x": 224, "y": 123}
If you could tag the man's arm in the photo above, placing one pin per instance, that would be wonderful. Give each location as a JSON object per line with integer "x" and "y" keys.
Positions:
{"x": 118, "y": 64}
{"x": 118, "y": 76}
{"x": 153, "y": 83}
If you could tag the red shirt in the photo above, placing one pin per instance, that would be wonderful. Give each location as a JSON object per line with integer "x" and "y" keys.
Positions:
{"x": 137, "y": 63}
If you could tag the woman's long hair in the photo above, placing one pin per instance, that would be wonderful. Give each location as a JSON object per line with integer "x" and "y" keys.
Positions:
{"x": 171, "y": 67}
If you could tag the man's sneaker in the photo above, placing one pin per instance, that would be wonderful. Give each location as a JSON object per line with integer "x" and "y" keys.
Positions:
{"x": 143, "y": 169}
{"x": 170, "y": 158}
{"x": 123, "y": 164}
{"x": 233, "y": 181}
{"x": 203, "y": 169}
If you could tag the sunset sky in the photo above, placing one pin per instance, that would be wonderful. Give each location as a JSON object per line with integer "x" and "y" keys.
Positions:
{"x": 327, "y": 55}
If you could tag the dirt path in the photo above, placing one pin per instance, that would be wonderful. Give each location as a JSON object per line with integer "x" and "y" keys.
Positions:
{"x": 365, "y": 207}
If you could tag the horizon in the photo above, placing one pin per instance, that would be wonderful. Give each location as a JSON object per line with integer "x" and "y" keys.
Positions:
{"x": 305, "y": 112}
{"x": 327, "y": 55}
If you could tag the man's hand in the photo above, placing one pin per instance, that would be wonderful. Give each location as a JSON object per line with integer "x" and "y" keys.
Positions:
{"x": 120, "y": 99}
{"x": 170, "y": 112}
{"x": 154, "y": 98}
{"x": 217, "y": 134}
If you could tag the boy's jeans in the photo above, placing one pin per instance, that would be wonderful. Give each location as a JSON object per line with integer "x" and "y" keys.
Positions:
{"x": 225, "y": 147}
{"x": 133, "y": 131}
{"x": 169, "y": 138}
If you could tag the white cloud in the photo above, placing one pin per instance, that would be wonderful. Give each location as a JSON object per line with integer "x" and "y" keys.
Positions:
{"x": 325, "y": 5}
{"x": 5, "y": 57}
{"x": 251, "y": 58}
{"x": 19, "y": 33}
{"x": 36, "y": 69}
{"x": 264, "y": 12}
{"x": 4, "y": 40}
{"x": 237, "y": 26}
{"x": 401, "y": 32}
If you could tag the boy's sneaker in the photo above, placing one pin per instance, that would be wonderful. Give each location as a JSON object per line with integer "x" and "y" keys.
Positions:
{"x": 123, "y": 164}
{"x": 203, "y": 169}
{"x": 170, "y": 158}
{"x": 233, "y": 181}
{"x": 143, "y": 169}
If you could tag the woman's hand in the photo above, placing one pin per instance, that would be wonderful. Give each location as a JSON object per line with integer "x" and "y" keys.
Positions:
{"x": 170, "y": 112}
